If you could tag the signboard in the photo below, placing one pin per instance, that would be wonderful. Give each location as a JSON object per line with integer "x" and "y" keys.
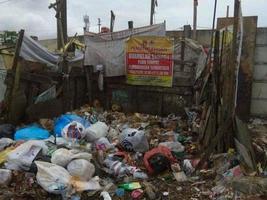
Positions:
{"x": 149, "y": 61}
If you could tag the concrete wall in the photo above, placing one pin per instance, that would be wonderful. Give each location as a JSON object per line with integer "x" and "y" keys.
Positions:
{"x": 259, "y": 87}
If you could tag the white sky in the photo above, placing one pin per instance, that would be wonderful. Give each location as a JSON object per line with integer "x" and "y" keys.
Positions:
{"x": 35, "y": 17}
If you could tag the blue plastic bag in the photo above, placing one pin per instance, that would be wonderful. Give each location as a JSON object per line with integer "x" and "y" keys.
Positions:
{"x": 64, "y": 120}
{"x": 33, "y": 132}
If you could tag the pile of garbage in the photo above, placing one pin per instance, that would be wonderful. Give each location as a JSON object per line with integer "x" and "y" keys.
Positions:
{"x": 91, "y": 154}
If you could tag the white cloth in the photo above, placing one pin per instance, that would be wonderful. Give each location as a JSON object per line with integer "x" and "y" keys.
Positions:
{"x": 108, "y": 48}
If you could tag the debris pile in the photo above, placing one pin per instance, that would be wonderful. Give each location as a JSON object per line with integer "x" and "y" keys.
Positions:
{"x": 91, "y": 154}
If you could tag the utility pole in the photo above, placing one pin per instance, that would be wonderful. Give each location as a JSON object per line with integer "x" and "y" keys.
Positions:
{"x": 64, "y": 20}
{"x": 195, "y": 20}
{"x": 60, "y": 6}
{"x": 86, "y": 23}
{"x": 99, "y": 25}
{"x": 227, "y": 12}
{"x": 154, "y": 3}
{"x": 112, "y": 21}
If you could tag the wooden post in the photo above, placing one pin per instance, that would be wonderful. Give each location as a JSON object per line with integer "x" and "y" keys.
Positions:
{"x": 64, "y": 20}
{"x": 15, "y": 67}
{"x": 61, "y": 14}
{"x": 15, "y": 109}
{"x": 195, "y": 20}
{"x": 89, "y": 82}
{"x": 182, "y": 50}
{"x": 234, "y": 58}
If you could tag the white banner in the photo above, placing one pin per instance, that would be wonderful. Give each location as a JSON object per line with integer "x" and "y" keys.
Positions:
{"x": 108, "y": 49}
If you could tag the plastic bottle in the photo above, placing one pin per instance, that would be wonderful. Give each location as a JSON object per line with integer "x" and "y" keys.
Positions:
{"x": 130, "y": 186}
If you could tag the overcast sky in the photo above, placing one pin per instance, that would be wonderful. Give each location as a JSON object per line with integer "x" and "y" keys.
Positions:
{"x": 35, "y": 17}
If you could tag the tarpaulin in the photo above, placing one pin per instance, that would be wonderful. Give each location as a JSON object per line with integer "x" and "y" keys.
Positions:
{"x": 108, "y": 49}
{"x": 31, "y": 50}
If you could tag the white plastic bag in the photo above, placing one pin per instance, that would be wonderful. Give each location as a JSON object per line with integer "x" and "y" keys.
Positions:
{"x": 53, "y": 178}
{"x": 62, "y": 157}
{"x": 173, "y": 146}
{"x": 80, "y": 186}
{"x": 96, "y": 131}
{"x": 134, "y": 140}
{"x": 80, "y": 155}
{"x": 22, "y": 157}
{"x": 81, "y": 169}
{"x": 5, "y": 142}
{"x": 103, "y": 144}
{"x": 5, "y": 176}
{"x": 113, "y": 134}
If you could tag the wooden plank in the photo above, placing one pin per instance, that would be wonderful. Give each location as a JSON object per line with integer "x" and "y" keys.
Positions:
{"x": 247, "y": 63}
{"x": 246, "y": 68}
{"x": 244, "y": 138}
{"x": 16, "y": 97}
{"x": 214, "y": 142}
{"x": 33, "y": 77}
{"x": 53, "y": 108}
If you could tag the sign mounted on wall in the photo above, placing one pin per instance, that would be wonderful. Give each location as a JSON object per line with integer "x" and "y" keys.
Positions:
{"x": 149, "y": 61}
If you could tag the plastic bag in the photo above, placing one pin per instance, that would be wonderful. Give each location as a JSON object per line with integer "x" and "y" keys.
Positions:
{"x": 81, "y": 155}
{"x": 80, "y": 186}
{"x": 62, "y": 157}
{"x": 103, "y": 144}
{"x": 73, "y": 131}
{"x": 120, "y": 169}
{"x": 113, "y": 134}
{"x": 53, "y": 178}
{"x": 173, "y": 146}
{"x": 64, "y": 120}
{"x": 81, "y": 169}
{"x": 22, "y": 157}
{"x": 96, "y": 131}
{"x": 134, "y": 140}
{"x": 33, "y": 132}
{"x": 5, "y": 142}
{"x": 57, "y": 180}
{"x": 5, "y": 176}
